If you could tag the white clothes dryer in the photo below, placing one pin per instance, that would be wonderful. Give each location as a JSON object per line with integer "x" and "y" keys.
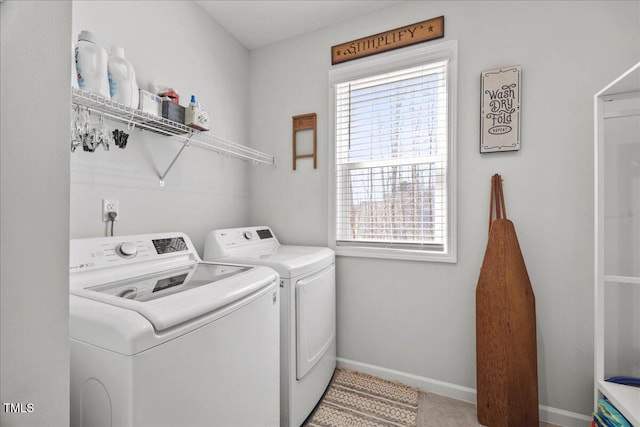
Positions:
{"x": 307, "y": 311}
{"x": 160, "y": 338}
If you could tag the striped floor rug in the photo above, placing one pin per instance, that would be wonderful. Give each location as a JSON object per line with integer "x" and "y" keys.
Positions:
{"x": 361, "y": 400}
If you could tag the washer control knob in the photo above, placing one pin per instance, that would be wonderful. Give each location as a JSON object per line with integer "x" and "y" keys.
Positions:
{"x": 127, "y": 250}
{"x": 247, "y": 235}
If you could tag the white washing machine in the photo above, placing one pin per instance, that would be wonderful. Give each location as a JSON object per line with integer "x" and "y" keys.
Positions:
{"x": 160, "y": 338}
{"x": 307, "y": 311}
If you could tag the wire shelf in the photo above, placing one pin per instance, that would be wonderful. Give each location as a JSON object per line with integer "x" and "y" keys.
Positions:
{"x": 134, "y": 117}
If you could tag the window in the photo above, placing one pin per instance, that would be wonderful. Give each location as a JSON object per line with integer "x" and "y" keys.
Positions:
{"x": 393, "y": 155}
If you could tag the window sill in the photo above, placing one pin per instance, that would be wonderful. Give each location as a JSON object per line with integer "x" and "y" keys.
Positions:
{"x": 396, "y": 254}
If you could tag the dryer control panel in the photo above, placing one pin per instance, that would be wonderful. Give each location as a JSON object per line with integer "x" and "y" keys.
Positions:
{"x": 225, "y": 242}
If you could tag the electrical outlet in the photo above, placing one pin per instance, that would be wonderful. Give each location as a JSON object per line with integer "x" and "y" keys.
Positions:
{"x": 110, "y": 205}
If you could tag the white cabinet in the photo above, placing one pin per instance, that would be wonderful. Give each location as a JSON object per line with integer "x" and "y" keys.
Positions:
{"x": 617, "y": 241}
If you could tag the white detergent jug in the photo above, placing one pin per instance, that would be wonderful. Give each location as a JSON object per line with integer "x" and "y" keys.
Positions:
{"x": 91, "y": 65}
{"x": 122, "y": 79}
{"x": 74, "y": 70}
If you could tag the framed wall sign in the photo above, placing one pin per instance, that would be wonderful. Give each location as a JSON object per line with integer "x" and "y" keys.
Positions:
{"x": 500, "y": 109}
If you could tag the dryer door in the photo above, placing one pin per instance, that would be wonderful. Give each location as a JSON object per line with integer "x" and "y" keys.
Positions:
{"x": 315, "y": 318}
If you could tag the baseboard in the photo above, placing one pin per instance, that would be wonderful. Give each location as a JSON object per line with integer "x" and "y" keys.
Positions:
{"x": 563, "y": 418}
{"x": 548, "y": 414}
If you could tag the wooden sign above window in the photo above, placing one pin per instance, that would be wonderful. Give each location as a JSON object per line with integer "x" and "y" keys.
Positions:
{"x": 400, "y": 37}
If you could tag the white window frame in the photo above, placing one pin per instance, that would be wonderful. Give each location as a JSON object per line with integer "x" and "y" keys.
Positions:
{"x": 445, "y": 51}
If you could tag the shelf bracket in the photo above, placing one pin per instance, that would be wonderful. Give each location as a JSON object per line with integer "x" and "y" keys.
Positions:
{"x": 184, "y": 145}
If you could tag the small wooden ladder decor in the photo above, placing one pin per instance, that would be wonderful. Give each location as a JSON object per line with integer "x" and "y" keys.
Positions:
{"x": 305, "y": 122}
{"x": 506, "y": 353}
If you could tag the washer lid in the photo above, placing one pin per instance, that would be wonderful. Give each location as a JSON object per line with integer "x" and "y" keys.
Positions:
{"x": 175, "y": 296}
{"x": 289, "y": 261}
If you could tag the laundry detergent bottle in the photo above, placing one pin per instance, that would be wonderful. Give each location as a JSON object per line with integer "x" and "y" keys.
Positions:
{"x": 91, "y": 65}
{"x": 74, "y": 70}
{"x": 122, "y": 79}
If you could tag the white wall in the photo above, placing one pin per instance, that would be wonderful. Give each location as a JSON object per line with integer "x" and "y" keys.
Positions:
{"x": 34, "y": 214}
{"x": 419, "y": 318}
{"x": 173, "y": 43}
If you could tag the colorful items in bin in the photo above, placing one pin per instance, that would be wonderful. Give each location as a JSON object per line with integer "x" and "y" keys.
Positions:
{"x": 171, "y": 94}
{"x": 630, "y": 381}
{"x": 608, "y": 416}
{"x": 195, "y": 117}
{"x": 91, "y": 65}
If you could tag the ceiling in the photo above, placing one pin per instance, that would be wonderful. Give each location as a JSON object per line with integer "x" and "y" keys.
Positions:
{"x": 259, "y": 23}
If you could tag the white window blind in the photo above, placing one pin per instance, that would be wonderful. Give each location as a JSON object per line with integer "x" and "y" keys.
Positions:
{"x": 391, "y": 159}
